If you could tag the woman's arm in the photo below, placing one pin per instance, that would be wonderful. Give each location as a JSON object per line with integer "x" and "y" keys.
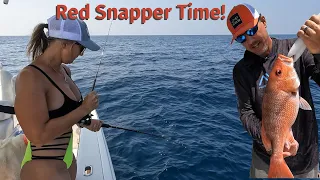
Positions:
{"x": 32, "y": 112}
{"x": 95, "y": 124}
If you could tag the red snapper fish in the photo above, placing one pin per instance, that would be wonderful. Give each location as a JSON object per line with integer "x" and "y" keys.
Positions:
{"x": 280, "y": 106}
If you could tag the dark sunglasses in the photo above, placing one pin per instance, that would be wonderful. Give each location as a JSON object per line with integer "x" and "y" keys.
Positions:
{"x": 82, "y": 48}
{"x": 250, "y": 32}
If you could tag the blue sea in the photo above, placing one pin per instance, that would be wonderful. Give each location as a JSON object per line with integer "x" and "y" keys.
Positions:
{"x": 177, "y": 86}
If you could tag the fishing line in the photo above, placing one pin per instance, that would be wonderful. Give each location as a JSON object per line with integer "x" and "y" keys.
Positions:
{"x": 137, "y": 131}
{"x": 104, "y": 46}
{"x": 227, "y": 49}
{"x": 94, "y": 84}
{"x": 177, "y": 142}
{"x": 116, "y": 127}
{"x": 110, "y": 126}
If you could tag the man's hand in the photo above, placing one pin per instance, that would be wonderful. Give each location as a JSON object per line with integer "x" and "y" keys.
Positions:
{"x": 310, "y": 34}
{"x": 290, "y": 146}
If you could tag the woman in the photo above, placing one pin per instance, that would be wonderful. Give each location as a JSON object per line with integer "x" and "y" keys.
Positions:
{"x": 48, "y": 103}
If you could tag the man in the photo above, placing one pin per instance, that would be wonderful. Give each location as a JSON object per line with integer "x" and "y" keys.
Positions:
{"x": 250, "y": 76}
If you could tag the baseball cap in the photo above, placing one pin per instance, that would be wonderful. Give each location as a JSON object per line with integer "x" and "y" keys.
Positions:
{"x": 241, "y": 18}
{"x": 75, "y": 30}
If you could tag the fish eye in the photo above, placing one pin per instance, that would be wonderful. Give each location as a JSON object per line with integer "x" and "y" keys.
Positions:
{"x": 278, "y": 72}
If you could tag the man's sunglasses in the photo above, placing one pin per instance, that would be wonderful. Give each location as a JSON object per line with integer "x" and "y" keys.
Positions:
{"x": 82, "y": 48}
{"x": 250, "y": 32}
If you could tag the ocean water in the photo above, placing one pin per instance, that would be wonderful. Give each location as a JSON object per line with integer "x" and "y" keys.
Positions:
{"x": 177, "y": 86}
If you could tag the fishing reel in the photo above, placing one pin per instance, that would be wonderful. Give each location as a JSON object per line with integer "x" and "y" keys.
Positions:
{"x": 85, "y": 121}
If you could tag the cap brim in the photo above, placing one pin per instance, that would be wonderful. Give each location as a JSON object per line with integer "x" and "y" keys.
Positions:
{"x": 244, "y": 29}
{"x": 90, "y": 45}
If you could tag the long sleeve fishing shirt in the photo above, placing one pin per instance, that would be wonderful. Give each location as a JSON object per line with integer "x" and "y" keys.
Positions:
{"x": 250, "y": 77}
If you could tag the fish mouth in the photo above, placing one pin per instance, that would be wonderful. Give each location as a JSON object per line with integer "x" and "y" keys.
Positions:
{"x": 286, "y": 61}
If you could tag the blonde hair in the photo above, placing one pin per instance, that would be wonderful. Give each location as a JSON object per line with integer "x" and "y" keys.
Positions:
{"x": 38, "y": 42}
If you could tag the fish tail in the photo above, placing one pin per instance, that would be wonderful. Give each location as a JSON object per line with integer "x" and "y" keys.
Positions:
{"x": 278, "y": 167}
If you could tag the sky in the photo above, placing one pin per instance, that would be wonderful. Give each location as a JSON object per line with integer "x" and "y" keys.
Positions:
{"x": 19, "y": 17}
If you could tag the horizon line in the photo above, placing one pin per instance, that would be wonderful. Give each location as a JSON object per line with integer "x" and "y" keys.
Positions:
{"x": 153, "y": 35}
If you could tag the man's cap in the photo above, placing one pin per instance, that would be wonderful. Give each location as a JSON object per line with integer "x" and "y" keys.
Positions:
{"x": 75, "y": 30}
{"x": 241, "y": 18}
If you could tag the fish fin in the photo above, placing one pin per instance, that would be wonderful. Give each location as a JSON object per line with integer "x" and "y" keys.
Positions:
{"x": 278, "y": 167}
{"x": 303, "y": 104}
{"x": 266, "y": 142}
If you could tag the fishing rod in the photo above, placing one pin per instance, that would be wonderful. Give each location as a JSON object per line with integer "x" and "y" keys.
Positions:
{"x": 110, "y": 126}
{"x": 94, "y": 84}
{"x": 104, "y": 46}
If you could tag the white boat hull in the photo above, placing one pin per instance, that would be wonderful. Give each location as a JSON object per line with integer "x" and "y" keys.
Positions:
{"x": 92, "y": 153}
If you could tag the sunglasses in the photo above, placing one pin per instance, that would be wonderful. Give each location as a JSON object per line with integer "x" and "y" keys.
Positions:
{"x": 250, "y": 32}
{"x": 82, "y": 48}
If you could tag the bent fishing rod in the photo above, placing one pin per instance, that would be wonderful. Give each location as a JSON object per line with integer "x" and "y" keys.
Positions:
{"x": 94, "y": 84}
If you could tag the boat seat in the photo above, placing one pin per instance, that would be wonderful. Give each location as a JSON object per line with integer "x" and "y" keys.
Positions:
{"x": 12, "y": 142}
{"x": 7, "y": 95}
